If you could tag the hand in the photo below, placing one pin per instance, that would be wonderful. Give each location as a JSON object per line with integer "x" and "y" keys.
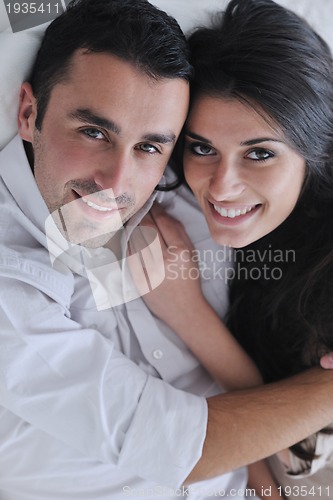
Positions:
{"x": 180, "y": 290}
{"x": 327, "y": 361}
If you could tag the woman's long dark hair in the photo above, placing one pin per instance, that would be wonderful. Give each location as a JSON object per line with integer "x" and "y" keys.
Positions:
{"x": 282, "y": 296}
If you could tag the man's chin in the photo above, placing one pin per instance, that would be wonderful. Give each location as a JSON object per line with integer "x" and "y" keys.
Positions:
{"x": 92, "y": 240}
{"x": 88, "y": 236}
{"x": 97, "y": 242}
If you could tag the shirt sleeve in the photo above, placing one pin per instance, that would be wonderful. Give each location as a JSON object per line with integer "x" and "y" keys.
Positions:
{"x": 72, "y": 384}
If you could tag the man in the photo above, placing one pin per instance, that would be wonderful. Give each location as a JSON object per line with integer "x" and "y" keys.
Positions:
{"x": 101, "y": 402}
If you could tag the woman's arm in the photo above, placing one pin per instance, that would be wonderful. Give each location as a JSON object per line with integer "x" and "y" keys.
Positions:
{"x": 180, "y": 303}
{"x": 262, "y": 481}
{"x": 211, "y": 342}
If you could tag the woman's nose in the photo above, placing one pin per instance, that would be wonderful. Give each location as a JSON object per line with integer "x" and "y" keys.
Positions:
{"x": 226, "y": 183}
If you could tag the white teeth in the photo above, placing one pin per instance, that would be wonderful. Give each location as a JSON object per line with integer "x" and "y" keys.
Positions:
{"x": 97, "y": 207}
{"x": 232, "y": 213}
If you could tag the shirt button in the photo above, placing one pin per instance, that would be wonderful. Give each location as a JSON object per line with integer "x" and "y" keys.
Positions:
{"x": 203, "y": 265}
{"x": 157, "y": 354}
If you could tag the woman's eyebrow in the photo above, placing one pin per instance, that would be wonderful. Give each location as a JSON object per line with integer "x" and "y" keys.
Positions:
{"x": 258, "y": 140}
{"x": 198, "y": 137}
{"x": 250, "y": 142}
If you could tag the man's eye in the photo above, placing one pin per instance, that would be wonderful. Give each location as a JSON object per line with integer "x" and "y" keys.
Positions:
{"x": 148, "y": 148}
{"x": 202, "y": 149}
{"x": 93, "y": 133}
{"x": 260, "y": 155}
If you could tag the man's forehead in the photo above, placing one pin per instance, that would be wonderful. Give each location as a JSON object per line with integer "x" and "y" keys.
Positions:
{"x": 104, "y": 62}
{"x": 105, "y": 91}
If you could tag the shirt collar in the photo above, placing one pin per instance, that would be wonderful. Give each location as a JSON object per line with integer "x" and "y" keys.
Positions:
{"x": 19, "y": 179}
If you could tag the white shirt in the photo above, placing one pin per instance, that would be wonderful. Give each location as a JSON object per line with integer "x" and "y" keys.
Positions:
{"x": 95, "y": 404}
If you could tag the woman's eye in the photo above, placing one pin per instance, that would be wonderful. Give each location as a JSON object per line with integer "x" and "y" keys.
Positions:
{"x": 260, "y": 155}
{"x": 93, "y": 133}
{"x": 148, "y": 148}
{"x": 202, "y": 149}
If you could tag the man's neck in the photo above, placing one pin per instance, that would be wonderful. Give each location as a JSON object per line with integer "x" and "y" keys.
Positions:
{"x": 29, "y": 152}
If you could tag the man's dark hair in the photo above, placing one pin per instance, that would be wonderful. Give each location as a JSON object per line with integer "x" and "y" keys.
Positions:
{"x": 133, "y": 30}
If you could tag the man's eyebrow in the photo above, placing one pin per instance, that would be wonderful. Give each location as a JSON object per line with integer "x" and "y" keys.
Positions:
{"x": 160, "y": 138}
{"x": 197, "y": 137}
{"x": 87, "y": 116}
{"x": 258, "y": 140}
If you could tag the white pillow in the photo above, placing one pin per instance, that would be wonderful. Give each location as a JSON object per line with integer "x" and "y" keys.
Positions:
{"x": 18, "y": 50}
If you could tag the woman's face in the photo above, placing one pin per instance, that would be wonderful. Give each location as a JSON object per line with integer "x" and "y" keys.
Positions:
{"x": 244, "y": 174}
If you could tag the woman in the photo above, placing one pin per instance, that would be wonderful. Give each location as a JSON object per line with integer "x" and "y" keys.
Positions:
{"x": 259, "y": 158}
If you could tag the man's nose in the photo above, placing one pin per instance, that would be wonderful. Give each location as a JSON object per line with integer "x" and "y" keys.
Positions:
{"x": 226, "y": 182}
{"x": 116, "y": 173}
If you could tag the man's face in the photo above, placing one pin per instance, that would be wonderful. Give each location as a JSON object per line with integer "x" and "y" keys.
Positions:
{"x": 105, "y": 140}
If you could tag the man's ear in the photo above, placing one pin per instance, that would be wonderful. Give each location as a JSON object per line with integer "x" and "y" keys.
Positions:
{"x": 27, "y": 112}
